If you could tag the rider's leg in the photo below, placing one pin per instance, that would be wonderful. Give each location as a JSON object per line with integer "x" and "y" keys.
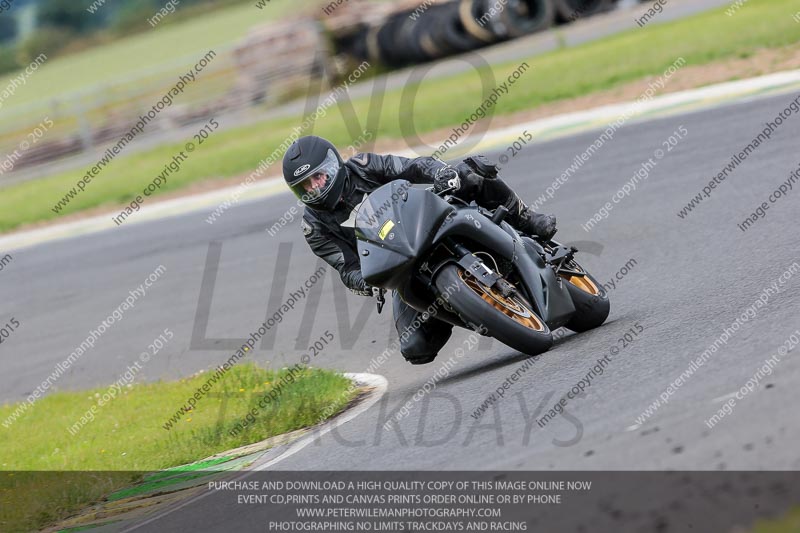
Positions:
{"x": 421, "y": 337}
{"x": 491, "y": 192}
{"x": 520, "y": 215}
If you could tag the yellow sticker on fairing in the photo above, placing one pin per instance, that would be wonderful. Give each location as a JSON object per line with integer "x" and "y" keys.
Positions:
{"x": 385, "y": 229}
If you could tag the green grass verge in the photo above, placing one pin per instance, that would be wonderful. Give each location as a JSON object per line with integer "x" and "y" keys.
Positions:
{"x": 440, "y": 103}
{"x": 127, "y": 436}
{"x": 788, "y": 524}
{"x": 159, "y": 48}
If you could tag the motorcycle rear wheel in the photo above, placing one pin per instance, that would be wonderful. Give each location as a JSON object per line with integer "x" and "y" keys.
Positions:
{"x": 508, "y": 319}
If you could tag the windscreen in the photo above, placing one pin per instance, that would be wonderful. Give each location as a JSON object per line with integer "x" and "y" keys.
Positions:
{"x": 376, "y": 218}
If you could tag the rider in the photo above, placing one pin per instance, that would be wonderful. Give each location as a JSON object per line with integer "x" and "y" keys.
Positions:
{"x": 331, "y": 188}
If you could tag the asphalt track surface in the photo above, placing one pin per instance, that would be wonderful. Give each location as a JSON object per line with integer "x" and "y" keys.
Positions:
{"x": 693, "y": 278}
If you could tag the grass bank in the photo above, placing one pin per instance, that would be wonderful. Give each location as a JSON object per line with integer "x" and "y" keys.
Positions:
{"x": 127, "y": 436}
{"x": 565, "y": 74}
{"x": 788, "y": 524}
{"x": 155, "y": 50}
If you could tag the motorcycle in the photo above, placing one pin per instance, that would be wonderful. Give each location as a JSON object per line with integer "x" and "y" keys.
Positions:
{"x": 440, "y": 252}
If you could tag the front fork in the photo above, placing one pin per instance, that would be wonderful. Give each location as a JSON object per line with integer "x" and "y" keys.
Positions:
{"x": 478, "y": 269}
{"x": 558, "y": 256}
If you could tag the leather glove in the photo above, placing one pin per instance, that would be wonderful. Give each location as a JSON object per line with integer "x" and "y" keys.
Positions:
{"x": 369, "y": 291}
{"x": 480, "y": 165}
{"x": 355, "y": 282}
{"x": 446, "y": 179}
{"x": 471, "y": 182}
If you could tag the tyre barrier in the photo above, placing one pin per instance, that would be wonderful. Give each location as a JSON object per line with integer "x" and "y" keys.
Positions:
{"x": 571, "y": 10}
{"x": 436, "y": 30}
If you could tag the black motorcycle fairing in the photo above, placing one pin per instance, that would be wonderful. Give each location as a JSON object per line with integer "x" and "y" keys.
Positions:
{"x": 406, "y": 235}
{"x": 560, "y": 306}
{"x": 471, "y": 223}
{"x": 394, "y": 225}
{"x": 540, "y": 284}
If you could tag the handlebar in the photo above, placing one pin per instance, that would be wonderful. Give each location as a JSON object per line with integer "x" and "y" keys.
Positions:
{"x": 453, "y": 184}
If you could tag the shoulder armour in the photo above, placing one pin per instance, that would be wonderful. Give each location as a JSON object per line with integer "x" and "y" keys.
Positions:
{"x": 360, "y": 159}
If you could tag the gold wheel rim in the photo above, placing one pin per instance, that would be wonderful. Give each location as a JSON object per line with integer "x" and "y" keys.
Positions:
{"x": 583, "y": 283}
{"x": 509, "y": 306}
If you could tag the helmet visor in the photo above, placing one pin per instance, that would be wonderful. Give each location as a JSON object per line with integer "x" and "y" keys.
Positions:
{"x": 315, "y": 183}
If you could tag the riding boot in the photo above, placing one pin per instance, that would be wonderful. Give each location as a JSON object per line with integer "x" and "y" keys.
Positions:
{"x": 528, "y": 221}
{"x": 495, "y": 192}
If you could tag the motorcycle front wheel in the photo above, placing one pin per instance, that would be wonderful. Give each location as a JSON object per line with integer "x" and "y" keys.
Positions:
{"x": 508, "y": 319}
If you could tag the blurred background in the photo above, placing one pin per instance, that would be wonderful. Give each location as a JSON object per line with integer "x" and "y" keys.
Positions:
{"x": 76, "y": 76}
{"x": 112, "y": 67}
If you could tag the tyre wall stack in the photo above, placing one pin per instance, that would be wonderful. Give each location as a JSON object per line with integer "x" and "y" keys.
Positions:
{"x": 436, "y": 29}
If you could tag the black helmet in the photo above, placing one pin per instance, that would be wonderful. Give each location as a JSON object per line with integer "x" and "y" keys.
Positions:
{"x": 314, "y": 170}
